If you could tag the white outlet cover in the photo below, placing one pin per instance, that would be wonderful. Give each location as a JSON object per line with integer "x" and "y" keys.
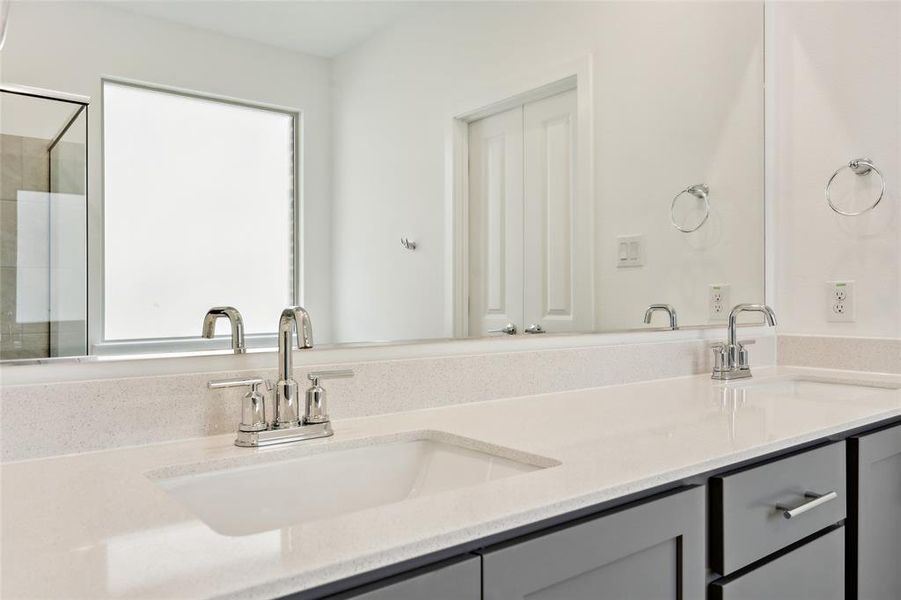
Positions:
{"x": 840, "y": 301}
{"x": 719, "y": 301}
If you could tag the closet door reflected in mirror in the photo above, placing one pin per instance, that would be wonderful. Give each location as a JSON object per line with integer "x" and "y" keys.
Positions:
{"x": 529, "y": 262}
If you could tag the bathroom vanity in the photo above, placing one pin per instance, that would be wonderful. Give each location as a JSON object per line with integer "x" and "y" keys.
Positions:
{"x": 669, "y": 488}
{"x": 655, "y": 548}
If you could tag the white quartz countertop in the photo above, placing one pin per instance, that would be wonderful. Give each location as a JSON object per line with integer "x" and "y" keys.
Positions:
{"x": 95, "y": 526}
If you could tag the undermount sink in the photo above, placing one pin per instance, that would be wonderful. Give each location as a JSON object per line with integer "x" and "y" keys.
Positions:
{"x": 277, "y": 492}
{"x": 817, "y": 388}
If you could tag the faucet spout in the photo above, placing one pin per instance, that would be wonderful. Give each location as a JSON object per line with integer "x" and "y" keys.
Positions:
{"x": 235, "y": 320}
{"x": 294, "y": 319}
{"x": 768, "y": 315}
{"x": 669, "y": 310}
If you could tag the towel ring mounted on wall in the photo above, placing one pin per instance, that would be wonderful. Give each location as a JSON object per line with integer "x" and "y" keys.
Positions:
{"x": 699, "y": 191}
{"x": 860, "y": 167}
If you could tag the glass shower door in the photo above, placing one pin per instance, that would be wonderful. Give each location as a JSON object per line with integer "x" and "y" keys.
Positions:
{"x": 43, "y": 220}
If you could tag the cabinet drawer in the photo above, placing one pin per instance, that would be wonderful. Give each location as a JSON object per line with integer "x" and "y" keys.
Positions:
{"x": 746, "y": 524}
{"x": 812, "y": 571}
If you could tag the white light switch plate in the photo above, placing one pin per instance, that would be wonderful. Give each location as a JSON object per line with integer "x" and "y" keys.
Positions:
{"x": 719, "y": 301}
{"x": 840, "y": 301}
{"x": 629, "y": 251}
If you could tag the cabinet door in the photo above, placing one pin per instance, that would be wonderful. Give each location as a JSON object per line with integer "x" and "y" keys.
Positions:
{"x": 458, "y": 579}
{"x": 874, "y": 557}
{"x": 811, "y": 572}
{"x": 651, "y": 551}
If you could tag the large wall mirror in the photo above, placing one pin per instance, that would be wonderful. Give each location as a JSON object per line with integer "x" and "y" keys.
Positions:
{"x": 404, "y": 170}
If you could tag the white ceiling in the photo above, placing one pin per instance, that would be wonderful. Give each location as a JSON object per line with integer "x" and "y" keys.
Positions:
{"x": 321, "y": 28}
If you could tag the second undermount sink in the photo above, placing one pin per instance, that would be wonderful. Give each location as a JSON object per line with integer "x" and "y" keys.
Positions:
{"x": 817, "y": 388}
{"x": 273, "y": 493}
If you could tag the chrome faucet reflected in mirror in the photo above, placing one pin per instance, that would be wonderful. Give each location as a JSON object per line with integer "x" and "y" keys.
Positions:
{"x": 235, "y": 320}
{"x": 730, "y": 360}
{"x": 669, "y": 310}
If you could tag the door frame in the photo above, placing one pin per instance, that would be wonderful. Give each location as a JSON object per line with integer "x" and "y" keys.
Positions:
{"x": 538, "y": 85}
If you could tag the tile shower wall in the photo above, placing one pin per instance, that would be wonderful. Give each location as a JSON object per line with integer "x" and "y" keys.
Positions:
{"x": 25, "y": 166}
{"x": 95, "y": 415}
{"x": 41, "y": 313}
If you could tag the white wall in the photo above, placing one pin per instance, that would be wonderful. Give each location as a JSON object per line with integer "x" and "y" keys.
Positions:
{"x": 81, "y": 41}
{"x": 837, "y": 96}
{"x": 677, "y": 101}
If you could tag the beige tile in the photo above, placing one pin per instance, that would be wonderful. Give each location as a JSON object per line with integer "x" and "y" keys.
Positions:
{"x": 10, "y": 144}
{"x": 68, "y": 338}
{"x": 7, "y": 292}
{"x": 10, "y": 175}
{"x": 35, "y": 148}
{"x": 67, "y": 176}
{"x": 29, "y": 345}
{"x": 8, "y": 225}
{"x": 36, "y": 173}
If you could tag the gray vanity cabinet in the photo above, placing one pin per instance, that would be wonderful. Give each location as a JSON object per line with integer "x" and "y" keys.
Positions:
{"x": 653, "y": 550}
{"x": 874, "y": 526}
{"x": 812, "y": 571}
{"x": 457, "y": 579}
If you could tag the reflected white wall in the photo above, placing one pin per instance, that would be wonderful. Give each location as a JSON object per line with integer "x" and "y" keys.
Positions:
{"x": 678, "y": 100}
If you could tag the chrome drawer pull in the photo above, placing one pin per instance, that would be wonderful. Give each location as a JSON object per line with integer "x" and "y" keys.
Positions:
{"x": 815, "y": 500}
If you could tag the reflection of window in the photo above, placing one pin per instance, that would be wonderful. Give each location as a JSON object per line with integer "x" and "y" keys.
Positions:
{"x": 198, "y": 212}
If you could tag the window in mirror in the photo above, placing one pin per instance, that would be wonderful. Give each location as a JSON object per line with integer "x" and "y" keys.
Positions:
{"x": 199, "y": 211}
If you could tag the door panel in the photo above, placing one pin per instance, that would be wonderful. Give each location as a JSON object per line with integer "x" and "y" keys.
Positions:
{"x": 558, "y": 245}
{"x": 495, "y": 222}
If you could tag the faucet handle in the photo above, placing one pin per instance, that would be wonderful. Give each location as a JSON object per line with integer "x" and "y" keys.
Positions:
{"x": 316, "y": 409}
{"x": 719, "y": 355}
{"x": 743, "y": 343}
{"x": 253, "y": 405}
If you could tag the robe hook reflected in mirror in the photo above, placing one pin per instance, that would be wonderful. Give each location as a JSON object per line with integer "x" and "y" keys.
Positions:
{"x": 408, "y": 243}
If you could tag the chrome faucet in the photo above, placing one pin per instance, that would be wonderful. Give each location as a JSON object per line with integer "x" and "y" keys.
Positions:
{"x": 673, "y": 320}
{"x": 286, "y": 425}
{"x": 730, "y": 360}
{"x": 235, "y": 320}
{"x": 293, "y": 319}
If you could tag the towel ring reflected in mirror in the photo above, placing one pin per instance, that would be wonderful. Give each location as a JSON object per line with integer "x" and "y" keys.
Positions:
{"x": 860, "y": 167}
{"x": 699, "y": 191}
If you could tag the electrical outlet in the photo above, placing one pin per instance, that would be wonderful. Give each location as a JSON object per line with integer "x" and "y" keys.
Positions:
{"x": 840, "y": 301}
{"x": 719, "y": 301}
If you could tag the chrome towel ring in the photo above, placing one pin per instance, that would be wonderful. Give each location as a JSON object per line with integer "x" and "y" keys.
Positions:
{"x": 699, "y": 191}
{"x": 860, "y": 167}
